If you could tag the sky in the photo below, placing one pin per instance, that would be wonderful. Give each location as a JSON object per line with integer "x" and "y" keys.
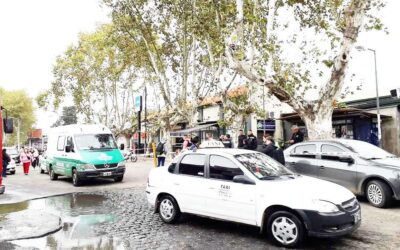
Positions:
{"x": 33, "y": 33}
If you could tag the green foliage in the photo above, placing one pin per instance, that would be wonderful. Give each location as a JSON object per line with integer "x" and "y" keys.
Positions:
{"x": 19, "y": 106}
{"x": 68, "y": 117}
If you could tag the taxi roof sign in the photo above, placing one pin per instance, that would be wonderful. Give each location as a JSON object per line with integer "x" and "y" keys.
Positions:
{"x": 211, "y": 144}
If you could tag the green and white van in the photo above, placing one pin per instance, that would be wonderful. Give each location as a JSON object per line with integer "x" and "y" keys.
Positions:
{"x": 83, "y": 152}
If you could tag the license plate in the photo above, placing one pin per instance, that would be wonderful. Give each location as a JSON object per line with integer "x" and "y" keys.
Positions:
{"x": 357, "y": 217}
{"x": 106, "y": 174}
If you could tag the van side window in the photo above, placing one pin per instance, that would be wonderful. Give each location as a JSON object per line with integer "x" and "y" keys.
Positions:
{"x": 60, "y": 143}
{"x": 70, "y": 143}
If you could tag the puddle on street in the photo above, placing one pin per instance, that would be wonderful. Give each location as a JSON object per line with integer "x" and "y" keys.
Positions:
{"x": 81, "y": 214}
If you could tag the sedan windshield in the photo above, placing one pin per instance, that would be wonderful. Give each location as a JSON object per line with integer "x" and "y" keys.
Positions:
{"x": 262, "y": 166}
{"x": 366, "y": 150}
{"x": 93, "y": 142}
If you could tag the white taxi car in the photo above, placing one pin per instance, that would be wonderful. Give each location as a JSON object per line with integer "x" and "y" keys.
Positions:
{"x": 249, "y": 187}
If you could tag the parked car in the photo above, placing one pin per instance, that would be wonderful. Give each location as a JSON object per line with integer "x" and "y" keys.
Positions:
{"x": 84, "y": 152}
{"x": 43, "y": 163}
{"x": 251, "y": 188}
{"x": 11, "y": 167}
{"x": 361, "y": 167}
{"x": 14, "y": 154}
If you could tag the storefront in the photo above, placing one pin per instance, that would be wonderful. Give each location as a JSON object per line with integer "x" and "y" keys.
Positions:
{"x": 348, "y": 123}
{"x": 199, "y": 131}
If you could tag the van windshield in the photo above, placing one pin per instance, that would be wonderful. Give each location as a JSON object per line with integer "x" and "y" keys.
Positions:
{"x": 95, "y": 142}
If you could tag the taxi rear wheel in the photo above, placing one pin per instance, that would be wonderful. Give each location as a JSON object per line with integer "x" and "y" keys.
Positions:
{"x": 169, "y": 209}
{"x": 285, "y": 229}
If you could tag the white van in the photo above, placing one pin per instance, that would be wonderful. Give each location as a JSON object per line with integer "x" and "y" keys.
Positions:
{"x": 83, "y": 152}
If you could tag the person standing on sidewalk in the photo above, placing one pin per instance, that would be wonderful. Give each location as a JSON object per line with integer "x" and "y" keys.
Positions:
{"x": 161, "y": 151}
{"x": 6, "y": 160}
{"x": 297, "y": 135}
{"x": 251, "y": 142}
{"x": 241, "y": 139}
{"x": 25, "y": 160}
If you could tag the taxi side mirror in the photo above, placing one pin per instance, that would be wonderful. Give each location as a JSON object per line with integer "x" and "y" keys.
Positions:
{"x": 243, "y": 179}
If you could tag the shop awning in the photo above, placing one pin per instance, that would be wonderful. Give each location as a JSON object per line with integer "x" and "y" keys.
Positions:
{"x": 181, "y": 133}
{"x": 337, "y": 113}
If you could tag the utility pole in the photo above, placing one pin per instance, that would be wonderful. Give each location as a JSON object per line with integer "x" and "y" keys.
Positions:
{"x": 2, "y": 187}
{"x": 263, "y": 124}
{"x": 378, "y": 112}
{"x": 145, "y": 117}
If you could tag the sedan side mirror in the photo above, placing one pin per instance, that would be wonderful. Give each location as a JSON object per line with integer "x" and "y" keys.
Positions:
{"x": 347, "y": 159}
{"x": 243, "y": 179}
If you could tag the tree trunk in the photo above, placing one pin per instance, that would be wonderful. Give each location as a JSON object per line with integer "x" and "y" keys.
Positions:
{"x": 319, "y": 125}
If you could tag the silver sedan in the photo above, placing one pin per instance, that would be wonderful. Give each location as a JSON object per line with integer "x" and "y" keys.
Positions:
{"x": 361, "y": 167}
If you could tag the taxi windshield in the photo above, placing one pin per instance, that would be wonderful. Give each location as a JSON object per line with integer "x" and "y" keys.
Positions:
{"x": 262, "y": 166}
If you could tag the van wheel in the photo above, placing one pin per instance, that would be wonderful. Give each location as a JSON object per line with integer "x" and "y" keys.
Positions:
{"x": 378, "y": 193}
{"x": 12, "y": 172}
{"x": 118, "y": 179}
{"x": 53, "y": 176}
{"x": 41, "y": 171}
{"x": 75, "y": 178}
{"x": 169, "y": 209}
{"x": 285, "y": 229}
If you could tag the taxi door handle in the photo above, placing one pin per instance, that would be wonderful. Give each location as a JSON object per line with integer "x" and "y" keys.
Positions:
{"x": 212, "y": 188}
{"x": 176, "y": 184}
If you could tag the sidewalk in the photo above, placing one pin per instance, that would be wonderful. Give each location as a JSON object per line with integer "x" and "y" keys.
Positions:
{"x": 20, "y": 187}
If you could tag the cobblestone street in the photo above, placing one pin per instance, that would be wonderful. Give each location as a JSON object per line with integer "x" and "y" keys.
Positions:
{"x": 142, "y": 229}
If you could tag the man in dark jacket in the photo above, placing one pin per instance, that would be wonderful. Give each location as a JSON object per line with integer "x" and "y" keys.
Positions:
{"x": 297, "y": 135}
{"x": 268, "y": 146}
{"x": 6, "y": 160}
{"x": 251, "y": 142}
{"x": 241, "y": 139}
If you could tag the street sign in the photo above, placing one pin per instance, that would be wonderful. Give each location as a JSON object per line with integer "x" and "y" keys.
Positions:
{"x": 138, "y": 103}
{"x": 267, "y": 125}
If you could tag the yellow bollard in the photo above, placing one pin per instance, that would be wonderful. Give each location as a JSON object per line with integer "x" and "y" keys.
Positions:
{"x": 153, "y": 145}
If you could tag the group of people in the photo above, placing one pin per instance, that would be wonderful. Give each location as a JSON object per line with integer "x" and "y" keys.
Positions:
{"x": 249, "y": 142}
{"x": 27, "y": 157}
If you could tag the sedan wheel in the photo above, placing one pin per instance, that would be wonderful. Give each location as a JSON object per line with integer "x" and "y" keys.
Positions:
{"x": 169, "y": 210}
{"x": 285, "y": 229}
{"x": 378, "y": 193}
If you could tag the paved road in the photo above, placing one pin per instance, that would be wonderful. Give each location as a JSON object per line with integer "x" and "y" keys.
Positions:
{"x": 20, "y": 187}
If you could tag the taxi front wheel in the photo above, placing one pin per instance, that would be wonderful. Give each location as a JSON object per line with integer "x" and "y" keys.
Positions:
{"x": 285, "y": 229}
{"x": 169, "y": 209}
